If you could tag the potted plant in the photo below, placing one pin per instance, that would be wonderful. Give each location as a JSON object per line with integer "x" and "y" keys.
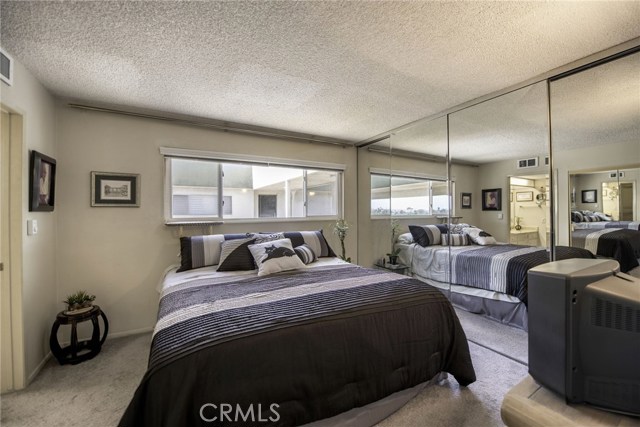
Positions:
{"x": 79, "y": 301}
{"x": 393, "y": 256}
{"x": 340, "y": 229}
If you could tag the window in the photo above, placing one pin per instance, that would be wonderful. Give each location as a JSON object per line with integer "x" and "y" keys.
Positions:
{"x": 393, "y": 195}
{"x": 199, "y": 187}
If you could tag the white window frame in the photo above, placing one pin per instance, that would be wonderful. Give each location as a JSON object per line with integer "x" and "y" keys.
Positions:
{"x": 222, "y": 158}
{"x": 402, "y": 174}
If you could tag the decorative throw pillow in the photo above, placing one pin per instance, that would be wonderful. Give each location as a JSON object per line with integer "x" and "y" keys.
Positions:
{"x": 603, "y": 217}
{"x": 457, "y": 228}
{"x": 591, "y": 218}
{"x": 268, "y": 237}
{"x": 455, "y": 239}
{"x": 202, "y": 251}
{"x": 275, "y": 256}
{"x": 235, "y": 255}
{"x": 305, "y": 253}
{"x": 479, "y": 236}
{"x": 315, "y": 240}
{"x": 427, "y": 235}
{"x": 576, "y": 216}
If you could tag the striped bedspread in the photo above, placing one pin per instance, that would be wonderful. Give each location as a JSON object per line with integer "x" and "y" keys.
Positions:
{"x": 621, "y": 244}
{"x": 503, "y": 268}
{"x": 598, "y": 225}
{"x": 315, "y": 342}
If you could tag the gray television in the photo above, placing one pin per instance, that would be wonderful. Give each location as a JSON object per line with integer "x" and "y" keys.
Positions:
{"x": 584, "y": 333}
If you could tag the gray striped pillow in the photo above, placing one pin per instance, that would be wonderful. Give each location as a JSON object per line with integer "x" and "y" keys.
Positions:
{"x": 202, "y": 251}
{"x": 235, "y": 255}
{"x": 305, "y": 253}
{"x": 455, "y": 240}
{"x": 315, "y": 240}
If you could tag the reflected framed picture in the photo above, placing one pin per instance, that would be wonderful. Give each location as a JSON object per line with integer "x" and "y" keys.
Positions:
{"x": 111, "y": 189}
{"x": 492, "y": 199}
{"x": 465, "y": 200}
{"x": 42, "y": 182}
{"x": 589, "y": 196}
{"x": 524, "y": 196}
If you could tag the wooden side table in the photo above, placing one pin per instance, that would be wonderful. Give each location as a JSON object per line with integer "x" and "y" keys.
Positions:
{"x": 77, "y": 352}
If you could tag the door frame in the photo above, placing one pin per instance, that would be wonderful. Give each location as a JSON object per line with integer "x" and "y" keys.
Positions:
{"x": 12, "y": 185}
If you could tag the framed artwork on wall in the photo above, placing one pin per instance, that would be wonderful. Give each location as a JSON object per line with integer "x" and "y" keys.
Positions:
{"x": 589, "y": 196}
{"x": 42, "y": 182}
{"x": 524, "y": 196}
{"x": 111, "y": 189}
{"x": 492, "y": 199}
{"x": 465, "y": 200}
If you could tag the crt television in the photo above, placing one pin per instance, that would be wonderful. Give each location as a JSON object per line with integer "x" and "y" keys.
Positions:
{"x": 584, "y": 333}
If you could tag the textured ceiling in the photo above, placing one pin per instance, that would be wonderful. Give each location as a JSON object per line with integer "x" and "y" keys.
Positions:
{"x": 347, "y": 70}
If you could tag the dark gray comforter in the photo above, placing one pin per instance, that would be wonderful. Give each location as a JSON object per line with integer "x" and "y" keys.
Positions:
{"x": 315, "y": 342}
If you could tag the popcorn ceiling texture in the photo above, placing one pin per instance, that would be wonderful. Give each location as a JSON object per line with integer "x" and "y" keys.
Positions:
{"x": 347, "y": 70}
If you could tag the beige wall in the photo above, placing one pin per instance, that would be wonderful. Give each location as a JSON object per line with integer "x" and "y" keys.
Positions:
{"x": 40, "y": 303}
{"x": 119, "y": 254}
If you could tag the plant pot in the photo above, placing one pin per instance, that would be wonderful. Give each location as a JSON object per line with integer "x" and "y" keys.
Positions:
{"x": 78, "y": 309}
{"x": 393, "y": 259}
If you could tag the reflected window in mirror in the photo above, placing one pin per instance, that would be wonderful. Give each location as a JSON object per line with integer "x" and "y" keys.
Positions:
{"x": 408, "y": 196}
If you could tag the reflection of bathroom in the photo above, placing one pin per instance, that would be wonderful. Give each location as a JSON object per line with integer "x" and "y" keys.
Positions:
{"x": 529, "y": 214}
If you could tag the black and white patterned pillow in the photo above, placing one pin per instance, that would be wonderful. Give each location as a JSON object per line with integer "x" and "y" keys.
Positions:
{"x": 202, "y": 251}
{"x": 315, "y": 240}
{"x": 427, "y": 235}
{"x": 455, "y": 240}
{"x": 235, "y": 255}
{"x": 305, "y": 253}
{"x": 268, "y": 237}
{"x": 591, "y": 218}
{"x": 479, "y": 236}
{"x": 457, "y": 228}
{"x": 604, "y": 217}
{"x": 275, "y": 256}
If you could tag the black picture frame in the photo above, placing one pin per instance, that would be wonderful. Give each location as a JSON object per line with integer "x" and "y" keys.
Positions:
{"x": 465, "y": 200}
{"x": 492, "y": 199}
{"x": 42, "y": 182}
{"x": 114, "y": 189}
{"x": 589, "y": 196}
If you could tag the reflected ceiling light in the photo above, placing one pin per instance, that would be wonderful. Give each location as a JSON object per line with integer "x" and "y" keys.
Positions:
{"x": 312, "y": 193}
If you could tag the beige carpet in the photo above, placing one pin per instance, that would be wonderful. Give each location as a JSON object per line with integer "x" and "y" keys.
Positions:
{"x": 95, "y": 393}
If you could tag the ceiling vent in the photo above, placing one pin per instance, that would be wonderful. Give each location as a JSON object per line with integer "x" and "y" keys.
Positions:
{"x": 528, "y": 163}
{"x": 6, "y": 67}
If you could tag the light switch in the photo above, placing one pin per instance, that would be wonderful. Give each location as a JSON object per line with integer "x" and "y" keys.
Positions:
{"x": 32, "y": 227}
{"x": 500, "y": 216}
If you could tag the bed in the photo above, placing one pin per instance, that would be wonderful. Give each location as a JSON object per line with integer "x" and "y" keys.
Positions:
{"x": 621, "y": 244}
{"x": 599, "y": 225}
{"x": 588, "y": 220}
{"x": 316, "y": 342}
{"x": 489, "y": 280}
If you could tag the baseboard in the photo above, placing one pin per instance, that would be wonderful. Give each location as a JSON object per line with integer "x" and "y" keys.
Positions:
{"x": 38, "y": 368}
{"x": 129, "y": 333}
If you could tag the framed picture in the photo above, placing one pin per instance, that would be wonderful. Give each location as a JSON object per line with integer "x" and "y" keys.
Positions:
{"x": 524, "y": 196}
{"x": 465, "y": 200}
{"x": 492, "y": 199}
{"x": 42, "y": 182}
{"x": 115, "y": 189}
{"x": 589, "y": 196}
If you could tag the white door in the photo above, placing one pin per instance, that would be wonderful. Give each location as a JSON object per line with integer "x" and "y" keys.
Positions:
{"x": 6, "y": 352}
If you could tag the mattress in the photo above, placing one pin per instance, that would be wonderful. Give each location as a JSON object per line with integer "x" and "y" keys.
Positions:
{"x": 599, "y": 225}
{"x": 316, "y": 342}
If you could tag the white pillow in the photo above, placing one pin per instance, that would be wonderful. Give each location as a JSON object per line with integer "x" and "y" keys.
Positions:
{"x": 275, "y": 256}
{"x": 406, "y": 238}
{"x": 479, "y": 236}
